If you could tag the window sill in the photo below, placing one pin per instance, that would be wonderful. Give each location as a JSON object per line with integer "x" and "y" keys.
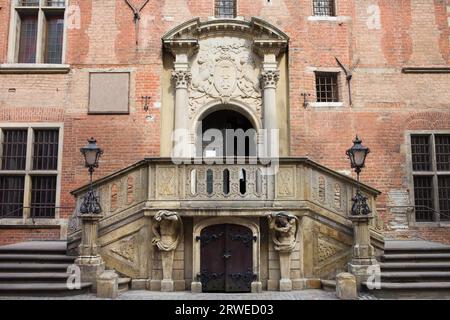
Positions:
{"x": 34, "y": 68}
{"x": 19, "y": 223}
{"x": 421, "y": 70}
{"x": 329, "y": 18}
{"x": 442, "y": 224}
{"x": 326, "y": 104}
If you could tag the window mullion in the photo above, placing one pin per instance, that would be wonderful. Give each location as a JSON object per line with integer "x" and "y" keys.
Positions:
{"x": 40, "y": 37}
{"x": 435, "y": 179}
{"x": 28, "y": 168}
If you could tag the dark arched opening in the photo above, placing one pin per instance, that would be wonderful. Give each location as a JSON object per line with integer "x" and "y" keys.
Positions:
{"x": 238, "y": 136}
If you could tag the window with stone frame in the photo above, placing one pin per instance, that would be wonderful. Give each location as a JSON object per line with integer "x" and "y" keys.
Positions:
{"x": 324, "y": 7}
{"x": 327, "y": 86}
{"x": 431, "y": 176}
{"x": 225, "y": 9}
{"x": 38, "y": 28}
{"x": 29, "y": 160}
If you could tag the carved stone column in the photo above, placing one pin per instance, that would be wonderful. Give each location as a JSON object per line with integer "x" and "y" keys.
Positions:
{"x": 270, "y": 75}
{"x": 168, "y": 232}
{"x": 181, "y": 80}
{"x": 181, "y": 76}
{"x": 285, "y": 232}
{"x": 89, "y": 260}
{"x": 363, "y": 264}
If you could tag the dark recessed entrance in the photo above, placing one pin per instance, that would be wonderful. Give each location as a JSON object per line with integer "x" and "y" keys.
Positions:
{"x": 226, "y": 259}
{"x": 229, "y": 119}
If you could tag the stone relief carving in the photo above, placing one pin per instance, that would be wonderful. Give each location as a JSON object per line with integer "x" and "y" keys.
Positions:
{"x": 285, "y": 180}
{"x": 167, "y": 229}
{"x": 224, "y": 69}
{"x": 337, "y": 196}
{"x": 130, "y": 189}
{"x": 322, "y": 191}
{"x": 326, "y": 249}
{"x": 166, "y": 181}
{"x": 114, "y": 197}
{"x": 126, "y": 248}
{"x": 285, "y": 230}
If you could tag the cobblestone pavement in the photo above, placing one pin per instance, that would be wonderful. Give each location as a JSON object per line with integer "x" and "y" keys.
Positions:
{"x": 152, "y": 295}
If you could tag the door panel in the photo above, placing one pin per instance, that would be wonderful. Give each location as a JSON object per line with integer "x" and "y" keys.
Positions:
{"x": 226, "y": 258}
{"x": 212, "y": 265}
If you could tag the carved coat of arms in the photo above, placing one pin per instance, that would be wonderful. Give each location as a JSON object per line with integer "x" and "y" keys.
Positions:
{"x": 225, "y": 69}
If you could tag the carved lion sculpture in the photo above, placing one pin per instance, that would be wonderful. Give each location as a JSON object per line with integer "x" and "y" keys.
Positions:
{"x": 167, "y": 229}
{"x": 285, "y": 230}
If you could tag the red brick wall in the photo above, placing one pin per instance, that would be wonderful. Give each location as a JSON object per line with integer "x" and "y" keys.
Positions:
{"x": 386, "y": 102}
{"x": 8, "y": 236}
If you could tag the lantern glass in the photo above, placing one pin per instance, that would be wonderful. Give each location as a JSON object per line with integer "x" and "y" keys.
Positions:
{"x": 91, "y": 153}
{"x": 90, "y": 157}
{"x": 359, "y": 157}
{"x": 357, "y": 154}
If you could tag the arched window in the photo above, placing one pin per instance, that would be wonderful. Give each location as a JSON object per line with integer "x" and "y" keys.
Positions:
{"x": 225, "y": 8}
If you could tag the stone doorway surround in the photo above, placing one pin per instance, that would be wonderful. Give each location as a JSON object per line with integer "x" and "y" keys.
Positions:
{"x": 200, "y": 224}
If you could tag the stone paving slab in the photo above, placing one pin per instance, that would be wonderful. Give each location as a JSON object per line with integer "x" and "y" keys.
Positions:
{"x": 152, "y": 295}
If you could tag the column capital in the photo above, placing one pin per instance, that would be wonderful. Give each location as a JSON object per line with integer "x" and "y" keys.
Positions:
{"x": 181, "y": 78}
{"x": 269, "y": 78}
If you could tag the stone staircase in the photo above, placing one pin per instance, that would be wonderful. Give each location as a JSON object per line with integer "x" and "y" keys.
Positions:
{"x": 36, "y": 269}
{"x": 414, "y": 268}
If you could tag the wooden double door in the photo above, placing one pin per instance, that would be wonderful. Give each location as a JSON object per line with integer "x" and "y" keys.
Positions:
{"x": 226, "y": 258}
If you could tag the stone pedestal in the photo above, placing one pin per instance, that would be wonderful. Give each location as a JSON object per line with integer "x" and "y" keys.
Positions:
{"x": 89, "y": 260}
{"x": 167, "y": 265}
{"x": 285, "y": 269}
{"x": 363, "y": 253}
{"x": 256, "y": 287}
{"x": 196, "y": 287}
{"x": 108, "y": 285}
{"x": 346, "y": 286}
{"x": 167, "y": 285}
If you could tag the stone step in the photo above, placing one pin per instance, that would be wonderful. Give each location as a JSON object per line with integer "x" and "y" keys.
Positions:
{"x": 36, "y": 257}
{"x": 41, "y": 289}
{"x": 35, "y": 247}
{"x": 33, "y": 267}
{"x": 11, "y": 277}
{"x": 415, "y": 276}
{"x": 416, "y": 257}
{"x": 420, "y": 266}
{"x": 328, "y": 285}
{"x": 124, "y": 284}
{"x": 414, "y": 285}
{"x": 414, "y": 247}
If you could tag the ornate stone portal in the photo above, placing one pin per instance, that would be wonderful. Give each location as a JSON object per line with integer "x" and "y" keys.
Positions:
{"x": 168, "y": 232}
{"x": 224, "y": 62}
{"x": 285, "y": 233}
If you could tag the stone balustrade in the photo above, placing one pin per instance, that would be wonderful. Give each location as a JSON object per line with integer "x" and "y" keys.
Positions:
{"x": 158, "y": 183}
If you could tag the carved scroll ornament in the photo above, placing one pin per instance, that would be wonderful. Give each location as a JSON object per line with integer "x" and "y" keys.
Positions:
{"x": 167, "y": 229}
{"x": 285, "y": 230}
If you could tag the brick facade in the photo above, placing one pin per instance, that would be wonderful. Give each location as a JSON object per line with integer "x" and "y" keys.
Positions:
{"x": 383, "y": 35}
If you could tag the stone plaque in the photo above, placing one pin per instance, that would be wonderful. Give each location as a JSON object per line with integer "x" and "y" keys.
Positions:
{"x": 109, "y": 92}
